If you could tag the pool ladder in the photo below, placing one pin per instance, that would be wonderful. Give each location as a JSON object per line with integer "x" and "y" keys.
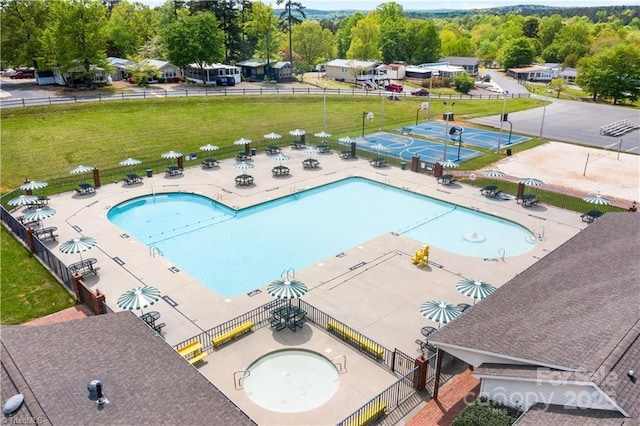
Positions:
{"x": 341, "y": 363}
{"x": 502, "y": 253}
{"x": 155, "y": 251}
{"x": 238, "y": 378}
{"x": 539, "y": 233}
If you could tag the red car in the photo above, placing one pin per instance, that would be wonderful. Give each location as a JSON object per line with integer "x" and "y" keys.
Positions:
{"x": 393, "y": 88}
{"x": 22, "y": 74}
{"x": 420, "y": 92}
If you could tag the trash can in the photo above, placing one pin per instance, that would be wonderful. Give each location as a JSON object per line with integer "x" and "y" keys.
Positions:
{"x": 403, "y": 165}
{"x": 508, "y": 152}
{"x": 149, "y": 172}
{"x": 253, "y": 151}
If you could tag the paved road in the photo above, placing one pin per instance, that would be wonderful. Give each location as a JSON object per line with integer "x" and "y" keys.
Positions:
{"x": 570, "y": 121}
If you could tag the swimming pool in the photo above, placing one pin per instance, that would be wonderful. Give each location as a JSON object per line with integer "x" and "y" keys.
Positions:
{"x": 233, "y": 252}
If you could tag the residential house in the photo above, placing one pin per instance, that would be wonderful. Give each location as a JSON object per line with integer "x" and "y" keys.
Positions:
{"x": 435, "y": 70}
{"x": 533, "y": 73}
{"x": 144, "y": 380}
{"x": 282, "y": 71}
{"x": 470, "y": 65}
{"x": 120, "y": 68}
{"x": 256, "y": 70}
{"x": 561, "y": 340}
{"x": 354, "y": 71}
{"x": 170, "y": 72}
{"x": 217, "y": 74}
{"x": 396, "y": 71}
{"x": 75, "y": 76}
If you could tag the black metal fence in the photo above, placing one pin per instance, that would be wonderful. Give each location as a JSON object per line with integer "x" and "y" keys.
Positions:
{"x": 205, "y": 92}
{"x": 55, "y": 265}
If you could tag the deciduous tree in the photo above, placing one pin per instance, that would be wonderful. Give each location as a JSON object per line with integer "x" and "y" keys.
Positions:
{"x": 194, "y": 39}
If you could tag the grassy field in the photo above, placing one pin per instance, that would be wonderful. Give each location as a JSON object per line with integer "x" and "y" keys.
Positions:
{"x": 46, "y": 142}
{"x": 28, "y": 290}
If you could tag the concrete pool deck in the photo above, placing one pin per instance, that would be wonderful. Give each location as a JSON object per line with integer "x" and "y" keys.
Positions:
{"x": 380, "y": 298}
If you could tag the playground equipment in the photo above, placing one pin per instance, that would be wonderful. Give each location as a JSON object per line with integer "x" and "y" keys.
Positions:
{"x": 421, "y": 257}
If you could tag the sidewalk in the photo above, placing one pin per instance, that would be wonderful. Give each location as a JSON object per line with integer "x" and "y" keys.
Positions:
{"x": 454, "y": 396}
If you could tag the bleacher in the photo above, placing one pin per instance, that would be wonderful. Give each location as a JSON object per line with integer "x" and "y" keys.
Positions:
{"x": 619, "y": 128}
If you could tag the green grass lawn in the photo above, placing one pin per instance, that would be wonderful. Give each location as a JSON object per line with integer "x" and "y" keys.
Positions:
{"x": 28, "y": 290}
{"x": 46, "y": 142}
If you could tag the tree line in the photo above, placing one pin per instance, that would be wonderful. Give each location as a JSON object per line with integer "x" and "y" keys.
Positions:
{"x": 72, "y": 34}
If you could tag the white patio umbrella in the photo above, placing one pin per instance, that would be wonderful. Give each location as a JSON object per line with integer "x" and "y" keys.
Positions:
{"x": 449, "y": 164}
{"x": 242, "y": 141}
{"x": 172, "y": 155}
{"x": 531, "y": 181}
{"x": 346, "y": 140}
{"x": 130, "y": 162}
{"x": 33, "y": 184}
{"x": 440, "y": 312}
{"x": 297, "y": 132}
{"x": 243, "y": 165}
{"x": 139, "y": 298}
{"x": 475, "y": 288}
{"x": 280, "y": 157}
{"x": 80, "y": 170}
{"x": 322, "y": 135}
{"x": 310, "y": 150}
{"x": 493, "y": 173}
{"x": 78, "y": 245}
{"x": 272, "y": 136}
{"x": 208, "y": 147}
{"x": 39, "y": 214}
{"x": 287, "y": 287}
{"x": 23, "y": 200}
{"x": 597, "y": 199}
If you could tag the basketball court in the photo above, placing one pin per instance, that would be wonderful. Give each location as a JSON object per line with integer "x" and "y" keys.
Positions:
{"x": 470, "y": 136}
{"x": 405, "y": 147}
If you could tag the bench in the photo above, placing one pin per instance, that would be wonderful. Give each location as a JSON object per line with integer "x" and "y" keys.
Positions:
{"x": 232, "y": 334}
{"x": 192, "y": 352}
{"x": 158, "y": 328}
{"x": 376, "y": 410}
{"x": 364, "y": 343}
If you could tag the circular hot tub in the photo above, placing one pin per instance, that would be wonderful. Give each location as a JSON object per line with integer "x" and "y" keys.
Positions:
{"x": 291, "y": 381}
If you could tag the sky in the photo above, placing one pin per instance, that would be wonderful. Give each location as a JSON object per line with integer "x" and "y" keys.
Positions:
{"x": 433, "y": 4}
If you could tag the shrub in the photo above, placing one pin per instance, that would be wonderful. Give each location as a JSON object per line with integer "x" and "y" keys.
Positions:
{"x": 482, "y": 412}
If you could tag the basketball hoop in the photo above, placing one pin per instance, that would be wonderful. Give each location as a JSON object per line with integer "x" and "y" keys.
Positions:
{"x": 369, "y": 116}
{"x": 425, "y": 105}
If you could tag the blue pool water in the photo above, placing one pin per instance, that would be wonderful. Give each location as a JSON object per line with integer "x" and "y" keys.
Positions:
{"x": 234, "y": 252}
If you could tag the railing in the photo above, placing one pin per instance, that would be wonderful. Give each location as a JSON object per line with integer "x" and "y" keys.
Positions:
{"x": 391, "y": 398}
{"x": 238, "y": 378}
{"x": 178, "y": 93}
{"x": 341, "y": 363}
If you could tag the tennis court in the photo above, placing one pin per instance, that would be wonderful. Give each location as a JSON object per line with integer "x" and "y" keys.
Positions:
{"x": 470, "y": 136}
{"x": 405, "y": 147}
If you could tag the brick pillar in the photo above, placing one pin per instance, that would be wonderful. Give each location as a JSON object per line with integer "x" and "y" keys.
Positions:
{"x": 520, "y": 190}
{"x": 420, "y": 375}
{"x": 415, "y": 164}
{"x": 353, "y": 149}
{"x": 437, "y": 170}
{"x": 77, "y": 286}
{"x": 30, "y": 238}
{"x": 181, "y": 162}
{"x": 98, "y": 303}
{"x": 247, "y": 148}
{"x": 96, "y": 178}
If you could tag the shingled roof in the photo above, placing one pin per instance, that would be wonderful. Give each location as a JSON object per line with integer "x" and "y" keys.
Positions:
{"x": 144, "y": 379}
{"x": 577, "y": 309}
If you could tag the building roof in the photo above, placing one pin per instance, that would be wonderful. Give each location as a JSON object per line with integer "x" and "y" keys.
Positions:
{"x": 460, "y": 60}
{"x": 577, "y": 309}
{"x": 531, "y": 68}
{"x": 160, "y": 64}
{"x": 556, "y": 415}
{"x": 351, "y": 63}
{"x": 144, "y": 379}
{"x": 252, "y": 63}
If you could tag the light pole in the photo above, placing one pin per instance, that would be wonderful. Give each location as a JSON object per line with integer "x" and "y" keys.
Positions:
{"x": 324, "y": 109}
{"x": 544, "y": 110}
{"x": 446, "y": 132}
{"x": 382, "y": 115}
{"x": 417, "y": 113}
{"x": 433, "y": 74}
{"x": 504, "y": 108}
{"x": 367, "y": 115}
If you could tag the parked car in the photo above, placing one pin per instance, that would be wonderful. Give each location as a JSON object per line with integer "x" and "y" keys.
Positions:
{"x": 420, "y": 92}
{"x": 22, "y": 74}
{"x": 393, "y": 88}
